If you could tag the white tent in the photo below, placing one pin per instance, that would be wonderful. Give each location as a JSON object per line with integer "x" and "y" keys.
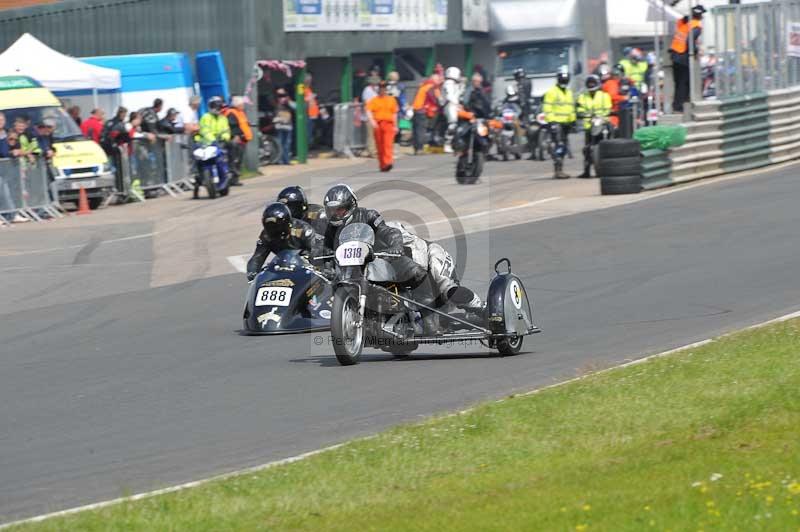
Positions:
{"x": 62, "y": 74}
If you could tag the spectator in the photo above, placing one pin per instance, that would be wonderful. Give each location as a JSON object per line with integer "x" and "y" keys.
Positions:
{"x": 397, "y": 89}
{"x": 370, "y": 92}
{"x": 169, "y": 125}
{"x": 420, "y": 123}
{"x": 283, "y": 120}
{"x": 44, "y": 137}
{"x": 312, "y": 109}
{"x": 92, "y": 127}
{"x": 190, "y": 118}
{"x": 4, "y": 151}
{"x": 114, "y": 132}
{"x": 241, "y": 134}
{"x": 149, "y": 116}
{"x": 75, "y": 113}
{"x": 22, "y": 143}
{"x": 478, "y": 102}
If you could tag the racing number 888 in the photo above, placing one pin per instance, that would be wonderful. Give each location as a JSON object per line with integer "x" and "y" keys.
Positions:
{"x": 273, "y": 296}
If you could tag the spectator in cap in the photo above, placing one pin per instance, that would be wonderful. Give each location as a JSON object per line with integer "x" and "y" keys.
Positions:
{"x": 685, "y": 29}
{"x": 169, "y": 125}
{"x": 44, "y": 136}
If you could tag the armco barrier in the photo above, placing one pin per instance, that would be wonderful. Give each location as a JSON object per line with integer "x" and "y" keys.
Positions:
{"x": 730, "y": 135}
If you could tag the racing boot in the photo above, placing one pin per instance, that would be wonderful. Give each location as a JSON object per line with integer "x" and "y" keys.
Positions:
{"x": 587, "y": 171}
{"x": 469, "y": 302}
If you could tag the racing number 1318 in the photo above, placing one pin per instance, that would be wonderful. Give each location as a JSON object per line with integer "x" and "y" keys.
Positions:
{"x": 352, "y": 253}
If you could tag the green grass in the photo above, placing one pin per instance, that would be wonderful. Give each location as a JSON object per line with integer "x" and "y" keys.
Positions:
{"x": 705, "y": 439}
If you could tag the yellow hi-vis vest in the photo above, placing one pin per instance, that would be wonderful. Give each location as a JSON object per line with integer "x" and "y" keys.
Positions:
{"x": 558, "y": 106}
{"x": 597, "y": 105}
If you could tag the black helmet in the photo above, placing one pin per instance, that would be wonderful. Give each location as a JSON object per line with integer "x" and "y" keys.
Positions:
{"x": 618, "y": 70}
{"x": 519, "y": 73}
{"x": 215, "y": 104}
{"x": 563, "y": 77}
{"x": 295, "y": 198}
{"x": 698, "y": 11}
{"x": 277, "y": 221}
{"x": 340, "y": 202}
{"x": 592, "y": 83}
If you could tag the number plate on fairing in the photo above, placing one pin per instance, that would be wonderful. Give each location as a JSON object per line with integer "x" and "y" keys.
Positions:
{"x": 352, "y": 253}
{"x": 274, "y": 296}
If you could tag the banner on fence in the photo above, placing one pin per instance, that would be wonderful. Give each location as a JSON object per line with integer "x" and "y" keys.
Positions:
{"x": 365, "y": 15}
{"x": 793, "y": 39}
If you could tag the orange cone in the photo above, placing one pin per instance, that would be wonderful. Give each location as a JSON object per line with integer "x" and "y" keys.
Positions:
{"x": 83, "y": 202}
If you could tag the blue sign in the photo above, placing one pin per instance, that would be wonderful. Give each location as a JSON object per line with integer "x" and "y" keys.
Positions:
{"x": 381, "y": 7}
{"x": 308, "y": 7}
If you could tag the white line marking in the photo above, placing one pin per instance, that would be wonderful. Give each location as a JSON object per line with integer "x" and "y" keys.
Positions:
{"x": 495, "y": 211}
{"x": 78, "y": 246}
{"x": 299, "y": 457}
{"x": 239, "y": 262}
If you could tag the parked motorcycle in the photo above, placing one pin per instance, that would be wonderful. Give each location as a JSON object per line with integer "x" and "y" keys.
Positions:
{"x": 269, "y": 149}
{"x": 374, "y": 307}
{"x": 212, "y": 171}
{"x": 470, "y": 143}
{"x": 507, "y": 139}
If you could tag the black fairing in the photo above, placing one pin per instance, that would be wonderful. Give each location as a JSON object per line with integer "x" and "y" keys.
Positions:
{"x": 508, "y": 307}
{"x": 309, "y": 306}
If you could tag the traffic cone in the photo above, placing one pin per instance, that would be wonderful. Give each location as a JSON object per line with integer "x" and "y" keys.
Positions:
{"x": 83, "y": 202}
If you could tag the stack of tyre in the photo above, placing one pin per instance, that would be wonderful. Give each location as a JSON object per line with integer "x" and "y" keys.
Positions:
{"x": 619, "y": 166}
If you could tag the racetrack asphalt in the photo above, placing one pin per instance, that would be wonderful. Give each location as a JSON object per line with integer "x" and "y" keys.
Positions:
{"x": 137, "y": 388}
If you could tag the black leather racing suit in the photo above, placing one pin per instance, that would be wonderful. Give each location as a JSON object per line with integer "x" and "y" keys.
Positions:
{"x": 302, "y": 237}
{"x": 387, "y": 239}
{"x": 315, "y": 216}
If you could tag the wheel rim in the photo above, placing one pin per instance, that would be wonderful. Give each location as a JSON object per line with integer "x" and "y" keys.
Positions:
{"x": 515, "y": 342}
{"x": 351, "y": 332}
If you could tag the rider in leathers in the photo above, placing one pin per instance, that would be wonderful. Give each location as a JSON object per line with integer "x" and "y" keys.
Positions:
{"x": 295, "y": 198}
{"x": 341, "y": 206}
{"x": 441, "y": 268}
{"x": 280, "y": 232}
{"x": 452, "y": 91}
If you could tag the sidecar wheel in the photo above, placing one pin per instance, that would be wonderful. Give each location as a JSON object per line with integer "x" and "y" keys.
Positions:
{"x": 510, "y": 346}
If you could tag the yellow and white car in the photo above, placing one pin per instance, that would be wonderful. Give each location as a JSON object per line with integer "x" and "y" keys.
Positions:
{"x": 78, "y": 162}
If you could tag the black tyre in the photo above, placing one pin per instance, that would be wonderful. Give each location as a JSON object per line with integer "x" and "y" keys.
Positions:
{"x": 619, "y": 166}
{"x": 479, "y": 159}
{"x": 348, "y": 338}
{"x": 95, "y": 203}
{"x": 269, "y": 150}
{"x": 225, "y": 191}
{"x": 208, "y": 181}
{"x": 616, "y": 148}
{"x": 461, "y": 169}
{"x": 631, "y": 184}
{"x": 510, "y": 346}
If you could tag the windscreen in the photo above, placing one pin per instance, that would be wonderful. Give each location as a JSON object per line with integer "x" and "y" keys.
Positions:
{"x": 357, "y": 232}
{"x": 66, "y": 128}
{"x": 536, "y": 59}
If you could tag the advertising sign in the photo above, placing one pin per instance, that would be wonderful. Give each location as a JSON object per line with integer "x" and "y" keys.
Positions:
{"x": 793, "y": 39}
{"x": 475, "y": 15}
{"x": 365, "y": 15}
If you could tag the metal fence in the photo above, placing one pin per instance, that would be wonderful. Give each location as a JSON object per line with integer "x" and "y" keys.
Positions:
{"x": 163, "y": 164}
{"x": 25, "y": 190}
{"x": 349, "y": 129}
{"x": 756, "y": 47}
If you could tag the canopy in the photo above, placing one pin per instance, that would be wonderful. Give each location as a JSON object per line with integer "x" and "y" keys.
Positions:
{"x": 58, "y": 72}
{"x": 639, "y": 18}
{"x": 511, "y": 21}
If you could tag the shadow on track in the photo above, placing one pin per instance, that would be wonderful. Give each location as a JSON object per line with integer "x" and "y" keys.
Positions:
{"x": 330, "y": 361}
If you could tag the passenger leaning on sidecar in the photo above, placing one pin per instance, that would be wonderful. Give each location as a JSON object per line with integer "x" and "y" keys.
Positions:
{"x": 281, "y": 232}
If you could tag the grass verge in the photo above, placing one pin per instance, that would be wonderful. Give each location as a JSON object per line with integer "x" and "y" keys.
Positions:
{"x": 704, "y": 439}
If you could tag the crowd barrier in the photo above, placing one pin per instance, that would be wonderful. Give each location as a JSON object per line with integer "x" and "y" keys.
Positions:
{"x": 756, "y": 47}
{"x": 349, "y": 129}
{"x": 730, "y": 135}
{"x": 25, "y": 190}
{"x": 164, "y": 164}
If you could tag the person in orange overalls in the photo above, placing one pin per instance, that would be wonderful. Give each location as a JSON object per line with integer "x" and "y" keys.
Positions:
{"x": 382, "y": 113}
{"x": 611, "y": 84}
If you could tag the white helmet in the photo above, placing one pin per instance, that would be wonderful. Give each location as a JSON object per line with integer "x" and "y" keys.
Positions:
{"x": 453, "y": 73}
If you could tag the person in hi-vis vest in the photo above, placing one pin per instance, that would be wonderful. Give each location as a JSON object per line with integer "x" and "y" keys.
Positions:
{"x": 685, "y": 29}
